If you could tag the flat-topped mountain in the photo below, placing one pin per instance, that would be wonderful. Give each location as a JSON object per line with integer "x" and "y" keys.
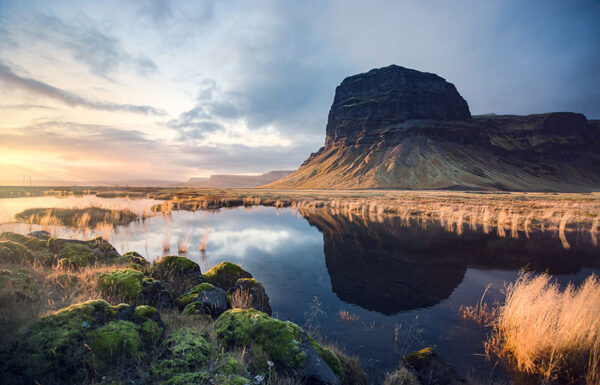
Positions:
{"x": 399, "y": 128}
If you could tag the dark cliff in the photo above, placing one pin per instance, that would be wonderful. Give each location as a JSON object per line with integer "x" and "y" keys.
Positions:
{"x": 399, "y": 128}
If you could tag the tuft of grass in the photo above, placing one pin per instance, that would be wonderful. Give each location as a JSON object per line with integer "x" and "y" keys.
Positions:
{"x": 345, "y": 315}
{"x": 548, "y": 333}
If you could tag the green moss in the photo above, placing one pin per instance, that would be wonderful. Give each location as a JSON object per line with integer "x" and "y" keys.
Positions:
{"x": 190, "y": 295}
{"x": 123, "y": 283}
{"x": 12, "y": 252}
{"x": 330, "y": 358}
{"x": 77, "y": 254}
{"x": 84, "y": 341}
{"x": 245, "y": 327}
{"x": 225, "y": 275}
{"x": 228, "y": 365}
{"x": 133, "y": 260}
{"x": 150, "y": 332}
{"x": 55, "y": 244}
{"x": 183, "y": 353}
{"x": 419, "y": 359}
{"x": 174, "y": 263}
{"x": 115, "y": 342}
{"x": 144, "y": 311}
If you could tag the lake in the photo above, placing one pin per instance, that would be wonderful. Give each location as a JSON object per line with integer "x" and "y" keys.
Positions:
{"x": 399, "y": 283}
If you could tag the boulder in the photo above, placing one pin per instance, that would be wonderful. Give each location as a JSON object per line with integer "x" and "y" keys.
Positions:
{"x": 212, "y": 302}
{"x": 135, "y": 260}
{"x": 225, "y": 275}
{"x": 185, "y": 357}
{"x": 155, "y": 294}
{"x": 129, "y": 285}
{"x": 430, "y": 369}
{"x": 84, "y": 342}
{"x": 176, "y": 273}
{"x": 284, "y": 344}
{"x": 41, "y": 234}
{"x": 249, "y": 293}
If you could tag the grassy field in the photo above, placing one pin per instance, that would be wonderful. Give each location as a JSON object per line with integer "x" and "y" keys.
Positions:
{"x": 505, "y": 213}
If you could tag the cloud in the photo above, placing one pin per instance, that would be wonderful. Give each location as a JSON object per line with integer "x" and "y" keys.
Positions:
{"x": 57, "y": 149}
{"x": 101, "y": 53}
{"x": 37, "y": 87}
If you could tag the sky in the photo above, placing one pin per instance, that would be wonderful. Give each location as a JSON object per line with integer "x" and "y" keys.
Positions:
{"x": 168, "y": 90}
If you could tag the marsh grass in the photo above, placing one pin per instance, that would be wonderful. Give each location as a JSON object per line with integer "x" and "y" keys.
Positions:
{"x": 241, "y": 299}
{"x": 345, "y": 315}
{"x": 29, "y": 291}
{"x": 505, "y": 214}
{"x": 546, "y": 332}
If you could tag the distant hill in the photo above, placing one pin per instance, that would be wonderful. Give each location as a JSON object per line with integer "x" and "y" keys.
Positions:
{"x": 395, "y": 127}
{"x": 238, "y": 181}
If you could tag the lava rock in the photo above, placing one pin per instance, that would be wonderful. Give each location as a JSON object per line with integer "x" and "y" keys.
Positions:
{"x": 431, "y": 369}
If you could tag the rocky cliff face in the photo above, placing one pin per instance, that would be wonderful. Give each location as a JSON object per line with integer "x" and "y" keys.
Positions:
{"x": 399, "y": 128}
{"x": 382, "y": 97}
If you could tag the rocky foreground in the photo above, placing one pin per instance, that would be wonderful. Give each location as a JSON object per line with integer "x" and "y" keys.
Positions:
{"x": 135, "y": 322}
{"x": 395, "y": 127}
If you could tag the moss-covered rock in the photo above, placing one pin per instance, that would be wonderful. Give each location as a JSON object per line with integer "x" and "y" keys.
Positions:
{"x": 134, "y": 260}
{"x": 18, "y": 248}
{"x": 177, "y": 273}
{"x": 190, "y": 295}
{"x": 124, "y": 284}
{"x": 225, "y": 275}
{"x": 211, "y": 302}
{"x": 77, "y": 254}
{"x": 115, "y": 342}
{"x": 183, "y": 351}
{"x": 330, "y": 358}
{"x": 12, "y": 252}
{"x": 245, "y": 327}
{"x": 186, "y": 357}
{"x": 155, "y": 294}
{"x": 249, "y": 293}
{"x": 283, "y": 343}
{"x": 85, "y": 341}
{"x": 401, "y": 376}
{"x": 429, "y": 367}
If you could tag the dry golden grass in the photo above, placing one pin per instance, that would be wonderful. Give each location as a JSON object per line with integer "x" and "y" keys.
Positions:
{"x": 241, "y": 299}
{"x": 504, "y": 213}
{"x": 548, "y": 333}
{"x": 36, "y": 290}
{"x": 345, "y": 315}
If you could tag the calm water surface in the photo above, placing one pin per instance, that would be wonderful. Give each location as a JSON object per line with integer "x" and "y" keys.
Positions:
{"x": 403, "y": 283}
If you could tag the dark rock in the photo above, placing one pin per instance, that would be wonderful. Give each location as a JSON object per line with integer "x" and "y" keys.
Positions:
{"x": 155, "y": 294}
{"x": 390, "y": 95}
{"x": 430, "y": 368}
{"x": 315, "y": 370}
{"x": 41, "y": 234}
{"x": 212, "y": 302}
{"x": 249, "y": 293}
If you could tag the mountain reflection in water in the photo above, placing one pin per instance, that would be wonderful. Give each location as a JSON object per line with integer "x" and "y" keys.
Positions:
{"x": 390, "y": 266}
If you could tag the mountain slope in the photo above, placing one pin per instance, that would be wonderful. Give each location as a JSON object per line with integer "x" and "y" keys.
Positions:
{"x": 399, "y": 128}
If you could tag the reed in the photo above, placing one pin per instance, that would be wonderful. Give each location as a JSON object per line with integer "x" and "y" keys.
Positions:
{"x": 550, "y": 333}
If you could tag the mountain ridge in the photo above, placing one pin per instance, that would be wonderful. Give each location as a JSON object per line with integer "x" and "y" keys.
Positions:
{"x": 401, "y": 128}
